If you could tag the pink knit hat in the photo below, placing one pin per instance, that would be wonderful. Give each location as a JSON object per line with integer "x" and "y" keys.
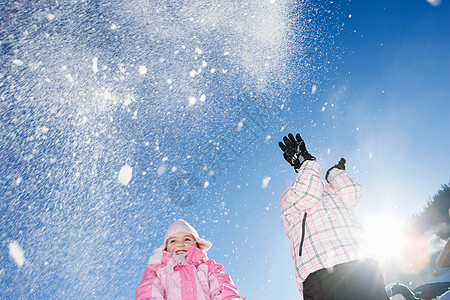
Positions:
{"x": 183, "y": 226}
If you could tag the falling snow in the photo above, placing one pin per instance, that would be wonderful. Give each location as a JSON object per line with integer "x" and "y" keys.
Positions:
{"x": 87, "y": 84}
{"x": 265, "y": 182}
{"x": 125, "y": 174}
{"x": 16, "y": 253}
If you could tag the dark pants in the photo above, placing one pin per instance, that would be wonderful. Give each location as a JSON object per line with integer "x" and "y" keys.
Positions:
{"x": 356, "y": 280}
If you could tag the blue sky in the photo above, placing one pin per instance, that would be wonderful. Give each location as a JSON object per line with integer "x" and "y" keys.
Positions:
{"x": 169, "y": 92}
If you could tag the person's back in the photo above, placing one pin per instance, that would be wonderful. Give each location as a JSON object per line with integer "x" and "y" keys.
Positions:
{"x": 329, "y": 232}
{"x": 327, "y": 241}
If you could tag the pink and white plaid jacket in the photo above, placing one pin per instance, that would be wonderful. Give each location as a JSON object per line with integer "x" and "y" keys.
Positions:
{"x": 320, "y": 220}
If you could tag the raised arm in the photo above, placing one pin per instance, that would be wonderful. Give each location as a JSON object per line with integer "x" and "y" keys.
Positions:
{"x": 307, "y": 189}
{"x": 344, "y": 185}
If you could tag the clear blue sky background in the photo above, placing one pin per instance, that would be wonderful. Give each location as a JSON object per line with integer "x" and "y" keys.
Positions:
{"x": 204, "y": 93}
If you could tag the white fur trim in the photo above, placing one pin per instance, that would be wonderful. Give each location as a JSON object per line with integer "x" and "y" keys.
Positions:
{"x": 156, "y": 258}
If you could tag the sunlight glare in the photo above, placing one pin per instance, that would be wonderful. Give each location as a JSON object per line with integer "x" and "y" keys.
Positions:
{"x": 385, "y": 235}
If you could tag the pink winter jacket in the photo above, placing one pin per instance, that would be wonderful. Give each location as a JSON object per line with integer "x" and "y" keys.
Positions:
{"x": 200, "y": 279}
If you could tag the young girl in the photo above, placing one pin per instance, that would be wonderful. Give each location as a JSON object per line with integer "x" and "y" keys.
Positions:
{"x": 180, "y": 270}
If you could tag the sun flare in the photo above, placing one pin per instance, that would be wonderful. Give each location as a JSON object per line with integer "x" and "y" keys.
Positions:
{"x": 386, "y": 236}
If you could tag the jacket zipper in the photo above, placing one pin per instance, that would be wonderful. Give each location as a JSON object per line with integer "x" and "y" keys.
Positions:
{"x": 303, "y": 234}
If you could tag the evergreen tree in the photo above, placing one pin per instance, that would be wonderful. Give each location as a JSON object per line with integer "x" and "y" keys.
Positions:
{"x": 431, "y": 223}
{"x": 435, "y": 216}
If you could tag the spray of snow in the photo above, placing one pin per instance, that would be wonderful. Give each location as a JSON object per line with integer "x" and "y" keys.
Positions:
{"x": 253, "y": 35}
{"x": 137, "y": 79}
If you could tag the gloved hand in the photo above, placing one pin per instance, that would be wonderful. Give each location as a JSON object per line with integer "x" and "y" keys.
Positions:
{"x": 340, "y": 165}
{"x": 295, "y": 152}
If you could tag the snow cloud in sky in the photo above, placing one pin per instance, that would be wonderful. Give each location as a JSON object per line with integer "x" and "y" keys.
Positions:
{"x": 201, "y": 36}
{"x": 434, "y": 2}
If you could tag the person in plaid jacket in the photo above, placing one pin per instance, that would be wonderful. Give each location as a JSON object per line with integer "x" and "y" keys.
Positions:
{"x": 326, "y": 240}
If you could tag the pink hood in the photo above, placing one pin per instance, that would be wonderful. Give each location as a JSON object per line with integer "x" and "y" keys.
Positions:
{"x": 182, "y": 226}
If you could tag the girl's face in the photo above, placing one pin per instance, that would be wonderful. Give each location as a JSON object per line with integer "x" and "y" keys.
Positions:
{"x": 180, "y": 242}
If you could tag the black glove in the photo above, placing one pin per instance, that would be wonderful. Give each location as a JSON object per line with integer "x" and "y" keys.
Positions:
{"x": 340, "y": 165}
{"x": 295, "y": 152}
